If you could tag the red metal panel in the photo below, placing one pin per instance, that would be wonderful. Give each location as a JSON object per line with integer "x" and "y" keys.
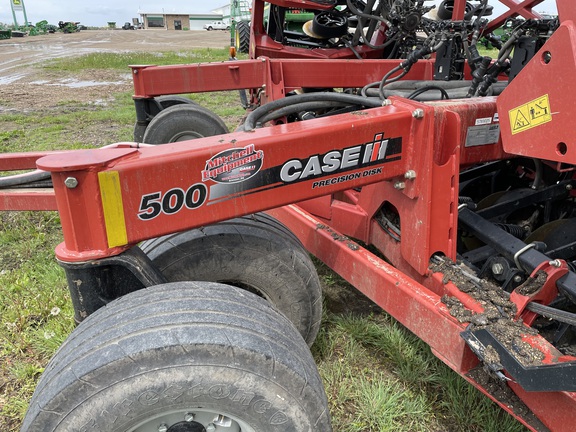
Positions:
{"x": 534, "y": 114}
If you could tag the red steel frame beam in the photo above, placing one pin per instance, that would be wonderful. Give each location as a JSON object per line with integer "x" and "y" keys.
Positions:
{"x": 282, "y": 75}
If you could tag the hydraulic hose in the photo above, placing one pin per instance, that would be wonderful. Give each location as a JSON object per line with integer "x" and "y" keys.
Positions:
{"x": 345, "y": 99}
{"x": 22, "y": 179}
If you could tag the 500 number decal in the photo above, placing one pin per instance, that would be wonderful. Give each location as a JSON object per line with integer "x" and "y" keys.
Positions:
{"x": 172, "y": 201}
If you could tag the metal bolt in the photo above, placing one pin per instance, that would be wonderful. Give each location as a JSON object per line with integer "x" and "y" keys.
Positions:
{"x": 387, "y": 102}
{"x": 555, "y": 263}
{"x": 410, "y": 175}
{"x": 399, "y": 185}
{"x": 418, "y": 113}
{"x": 517, "y": 278}
{"x": 210, "y": 427}
{"x": 189, "y": 417}
{"x": 163, "y": 427}
{"x": 497, "y": 269}
{"x": 71, "y": 182}
{"x": 569, "y": 187}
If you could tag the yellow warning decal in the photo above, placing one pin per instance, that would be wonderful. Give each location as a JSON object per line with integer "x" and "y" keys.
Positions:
{"x": 111, "y": 194}
{"x": 531, "y": 114}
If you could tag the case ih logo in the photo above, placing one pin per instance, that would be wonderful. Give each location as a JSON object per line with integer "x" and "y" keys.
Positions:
{"x": 380, "y": 150}
{"x": 234, "y": 165}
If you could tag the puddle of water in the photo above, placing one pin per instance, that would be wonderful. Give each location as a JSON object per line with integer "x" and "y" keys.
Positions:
{"x": 74, "y": 83}
{"x": 10, "y": 78}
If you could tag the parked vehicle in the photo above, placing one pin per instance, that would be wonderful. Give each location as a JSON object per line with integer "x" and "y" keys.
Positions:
{"x": 217, "y": 25}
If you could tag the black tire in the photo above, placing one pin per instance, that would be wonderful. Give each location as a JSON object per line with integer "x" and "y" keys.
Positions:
{"x": 183, "y": 122}
{"x": 209, "y": 29}
{"x": 242, "y": 37}
{"x": 253, "y": 252}
{"x": 164, "y": 101}
{"x": 176, "y": 352}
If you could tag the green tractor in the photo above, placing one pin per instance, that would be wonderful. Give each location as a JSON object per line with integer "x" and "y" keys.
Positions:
{"x": 240, "y": 14}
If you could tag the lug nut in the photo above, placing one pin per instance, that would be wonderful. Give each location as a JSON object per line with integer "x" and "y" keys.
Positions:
{"x": 163, "y": 427}
{"x": 210, "y": 427}
{"x": 189, "y": 417}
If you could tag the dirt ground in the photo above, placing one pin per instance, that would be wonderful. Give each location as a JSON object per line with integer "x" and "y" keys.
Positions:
{"x": 25, "y": 87}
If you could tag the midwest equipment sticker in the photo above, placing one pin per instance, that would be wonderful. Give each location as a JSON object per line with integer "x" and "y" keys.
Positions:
{"x": 530, "y": 115}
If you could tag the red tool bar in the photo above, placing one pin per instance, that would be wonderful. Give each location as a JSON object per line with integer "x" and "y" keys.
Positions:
{"x": 27, "y": 199}
{"x": 124, "y": 196}
{"x": 150, "y": 81}
{"x": 21, "y": 161}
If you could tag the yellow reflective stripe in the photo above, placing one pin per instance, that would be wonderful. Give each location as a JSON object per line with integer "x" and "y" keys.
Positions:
{"x": 111, "y": 195}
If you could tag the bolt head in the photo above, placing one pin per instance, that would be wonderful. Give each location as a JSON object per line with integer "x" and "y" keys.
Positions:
{"x": 162, "y": 428}
{"x": 498, "y": 269}
{"x": 517, "y": 279}
{"x": 71, "y": 182}
{"x": 418, "y": 113}
{"x": 410, "y": 175}
{"x": 189, "y": 417}
{"x": 210, "y": 427}
{"x": 399, "y": 185}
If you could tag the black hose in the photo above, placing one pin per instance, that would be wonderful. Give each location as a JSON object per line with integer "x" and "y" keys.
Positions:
{"x": 22, "y": 179}
{"x": 292, "y": 109}
{"x": 444, "y": 94}
{"x": 388, "y": 80}
{"x": 343, "y": 98}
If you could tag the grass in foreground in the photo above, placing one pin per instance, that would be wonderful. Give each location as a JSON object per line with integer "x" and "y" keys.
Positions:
{"x": 377, "y": 375}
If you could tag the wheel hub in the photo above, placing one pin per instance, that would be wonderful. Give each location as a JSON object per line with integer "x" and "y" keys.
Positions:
{"x": 185, "y": 426}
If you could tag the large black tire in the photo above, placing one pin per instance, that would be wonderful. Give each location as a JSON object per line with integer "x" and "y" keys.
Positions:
{"x": 175, "y": 357}
{"x": 253, "y": 252}
{"x": 164, "y": 101}
{"x": 183, "y": 122}
{"x": 242, "y": 37}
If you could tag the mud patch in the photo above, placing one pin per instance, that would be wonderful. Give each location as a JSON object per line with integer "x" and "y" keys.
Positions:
{"x": 498, "y": 315}
{"x": 504, "y": 394}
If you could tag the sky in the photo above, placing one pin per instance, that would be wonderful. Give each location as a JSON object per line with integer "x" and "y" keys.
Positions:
{"x": 100, "y": 12}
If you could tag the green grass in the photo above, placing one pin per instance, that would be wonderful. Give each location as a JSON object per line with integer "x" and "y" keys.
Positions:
{"x": 378, "y": 376}
{"x": 121, "y": 61}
